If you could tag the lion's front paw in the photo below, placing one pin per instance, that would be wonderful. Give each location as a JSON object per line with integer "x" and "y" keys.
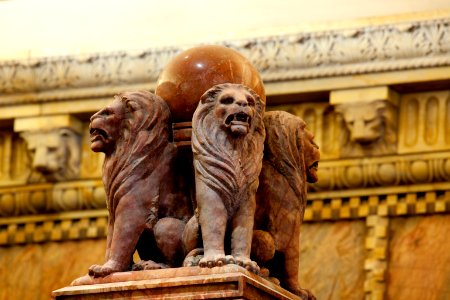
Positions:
{"x": 247, "y": 263}
{"x": 105, "y": 269}
{"x": 213, "y": 260}
{"x": 302, "y": 293}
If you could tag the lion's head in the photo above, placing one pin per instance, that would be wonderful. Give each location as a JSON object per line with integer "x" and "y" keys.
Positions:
{"x": 228, "y": 138}
{"x": 290, "y": 148}
{"x": 132, "y": 131}
{"x": 234, "y": 107}
{"x": 55, "y": 154}
{"x": 369, "y": 128}
{"x": 312, "y": 156}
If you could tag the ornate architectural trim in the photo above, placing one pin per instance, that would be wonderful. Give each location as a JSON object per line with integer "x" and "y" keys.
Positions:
{"x": 33, "y": 199}
{"x": 381, "y": 203}
{"x": 384, "y": 202}
{"x": 390, "y": 170}
{"x": 52, "y": 228}
{"x": 406, "y": 45}
{"x": 376, "y": 261}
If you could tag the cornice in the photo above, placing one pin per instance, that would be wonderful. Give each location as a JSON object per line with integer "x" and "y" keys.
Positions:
{"x": 306, "y": 55}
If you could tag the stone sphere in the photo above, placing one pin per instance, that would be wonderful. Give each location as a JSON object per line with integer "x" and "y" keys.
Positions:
{"x": 194, "y": 71}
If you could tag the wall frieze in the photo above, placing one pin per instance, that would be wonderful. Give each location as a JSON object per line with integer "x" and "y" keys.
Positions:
{"x": 34, "y": 199}
{"x": 54, "y": 228}
{"x": 407, "y": 45}
{"x": 381, "y": 203}
{"x": 336, "y": 176}
{"x": 383, "y": 171}
{"x": 384, "y": 202}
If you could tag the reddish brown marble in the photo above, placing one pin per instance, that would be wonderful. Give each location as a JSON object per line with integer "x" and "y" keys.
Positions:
{"x": 290, "y": 161}
{"x": 192, "y": 72}
{"x": 228, "y": 282}
{"x": 227, "y": 144}
{"x": 147, "y": 209}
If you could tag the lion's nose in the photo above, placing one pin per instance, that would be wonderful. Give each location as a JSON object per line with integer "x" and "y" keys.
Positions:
{"x": 242, "y": 101}
{"x": 97, "y": 114}
{"x": 93, "y": 116}
{"x": 39, "y": 159}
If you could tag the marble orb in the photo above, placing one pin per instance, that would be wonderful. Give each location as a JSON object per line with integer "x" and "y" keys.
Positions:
{"x": 192, "y": 72}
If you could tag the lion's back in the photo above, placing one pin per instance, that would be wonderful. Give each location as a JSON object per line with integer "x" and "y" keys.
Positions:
{"x": 278, "y": 209}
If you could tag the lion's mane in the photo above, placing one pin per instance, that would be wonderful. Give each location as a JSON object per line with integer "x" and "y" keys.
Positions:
{"x": 228, "y": 165}
{"x": 143, "y": 141}
{"x": 284, "y": 149}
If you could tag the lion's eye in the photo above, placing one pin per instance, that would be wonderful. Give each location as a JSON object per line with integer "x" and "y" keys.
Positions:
{"x": 227, "y": 100}
{"x": 105, "y": 112}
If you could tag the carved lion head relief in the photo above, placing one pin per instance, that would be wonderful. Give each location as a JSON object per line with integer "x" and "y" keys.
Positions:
{"x": 369, "y": 128}
{"x": 55, "y": 154}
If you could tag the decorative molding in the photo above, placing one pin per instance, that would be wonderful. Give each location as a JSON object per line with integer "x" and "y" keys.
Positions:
{"x": 406, "y": 45}
{"x": 376, "y": 260}
{"x": 341, "y": 176}
{"x": 384, "y": 202}
{"x": 33, "y": 199}
{"x": 424, "y": 122}
{"x": 52, "y": 228}
{"x": 383, "y": 171}
{"x": 325, "y": 206}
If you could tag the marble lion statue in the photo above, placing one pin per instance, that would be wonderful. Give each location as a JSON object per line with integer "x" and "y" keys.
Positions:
{"x": 227, "y": 144}
{"x": 145, "y": 212}
{"x": 290, "y": 161}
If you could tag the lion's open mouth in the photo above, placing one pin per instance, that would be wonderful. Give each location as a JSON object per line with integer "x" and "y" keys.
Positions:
{"x": 240, "y": 119}
{"x": 314, "y": 166}
{"x": 97, "y": 133}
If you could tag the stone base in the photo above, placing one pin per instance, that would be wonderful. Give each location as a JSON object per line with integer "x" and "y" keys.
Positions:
{"x": 228, "y": 282}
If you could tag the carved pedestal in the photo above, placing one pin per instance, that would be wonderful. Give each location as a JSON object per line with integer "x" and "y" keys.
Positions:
{"x": 228, "y": 282}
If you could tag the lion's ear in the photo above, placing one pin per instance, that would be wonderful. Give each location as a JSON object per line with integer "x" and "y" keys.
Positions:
{"x": 132, "y": 105}
{"x": 205, "y": 97}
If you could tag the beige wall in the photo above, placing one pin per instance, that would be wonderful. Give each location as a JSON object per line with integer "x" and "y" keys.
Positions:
{"x": 52, "y": 28}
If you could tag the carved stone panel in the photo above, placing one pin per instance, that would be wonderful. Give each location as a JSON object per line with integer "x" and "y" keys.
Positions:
{"x": 370, "y": 128}
{"x": 424, "y": 122}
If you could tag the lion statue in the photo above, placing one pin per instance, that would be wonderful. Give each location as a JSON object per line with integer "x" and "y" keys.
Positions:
{"x": 290, "y": 161}
{"x": 145, "y": 211}
{"x": 227, "y": 144}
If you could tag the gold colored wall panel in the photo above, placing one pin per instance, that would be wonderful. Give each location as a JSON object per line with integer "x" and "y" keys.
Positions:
{"x": 32, "y": 271}
{"x": 332, "y": 259}
{"x": 419, "y": 261}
